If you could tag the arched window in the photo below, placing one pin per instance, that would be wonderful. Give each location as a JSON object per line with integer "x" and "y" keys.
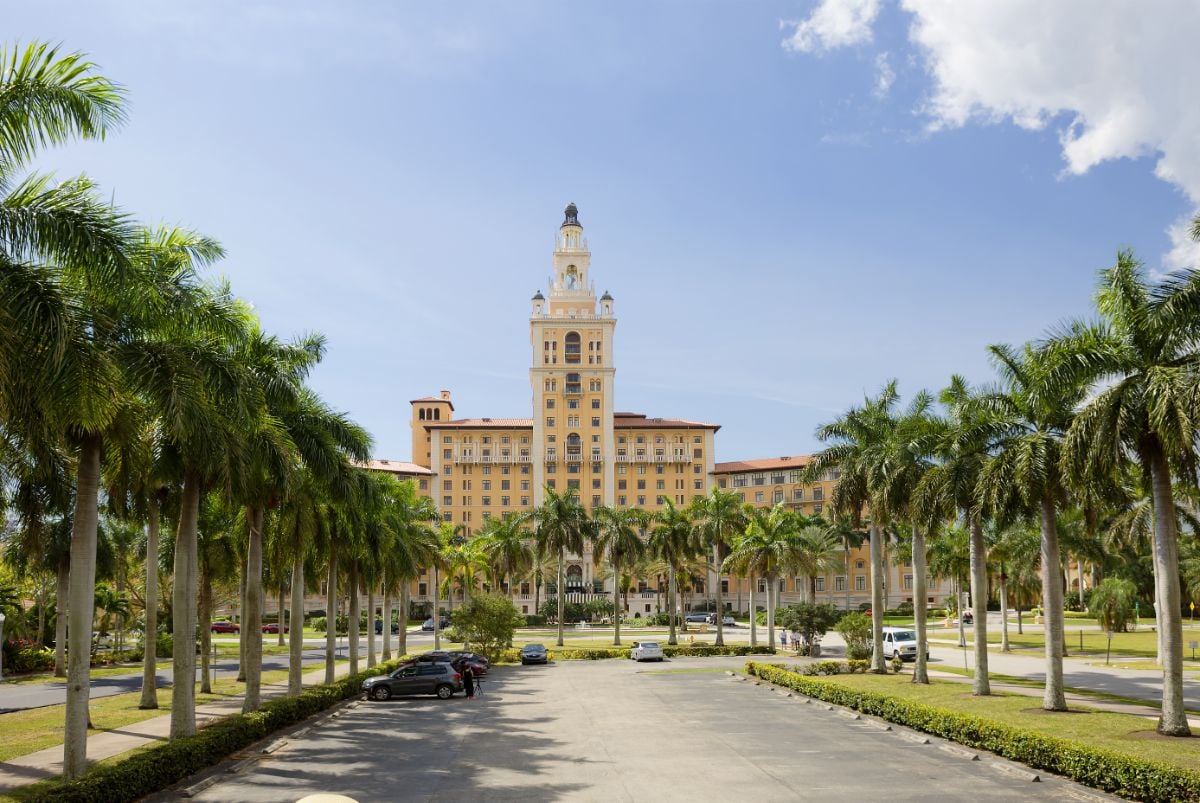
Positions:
{"x": 571, "y": 347}
{"x": 574, "y": 446}
{"x": 421, "y": 414}
{"x": 574, "y": 578}
{"x": 437, "y": 415}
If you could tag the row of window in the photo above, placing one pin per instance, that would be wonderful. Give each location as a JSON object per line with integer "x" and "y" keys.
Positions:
{"x": 485, "y": 485}
{"x": 573, "y": 404}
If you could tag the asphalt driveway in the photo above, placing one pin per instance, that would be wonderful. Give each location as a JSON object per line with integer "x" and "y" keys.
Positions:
{"x": 680, "y": 730}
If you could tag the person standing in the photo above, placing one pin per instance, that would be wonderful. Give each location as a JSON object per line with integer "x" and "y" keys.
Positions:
{"x": 468, "y": 678}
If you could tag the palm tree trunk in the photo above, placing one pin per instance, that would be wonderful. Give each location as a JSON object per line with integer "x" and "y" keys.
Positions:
{"x": 371, "y": 624}
{"x": 1173, "y": 720}
{"x": 437, "y": 611}
{"x": 1004, "y": 645}
{"x": 353, "y": 615}
{"x": 537, "y": 593}
{"x": 183, "y": 613}
{"x": 402, "y": 639}
{"x": 387, "y": 620}
{"x": 81, "y": 603}
{"x": 672, "y": 639}
{"x": 878, "y": 664}
{"x": 772, "y": 590}
{"x": 720, "y": 641}
{"x": 847, "y": 548}
{"x": 296, "y": 633}
{"x": 150, "y": 640}
{"x": 282, "y": 624}
{"x": 920, "y": 604}
{"x": 1052, "y": 603}
{"x": 331, "y": 614}
{"x": 958, "y": 607}
{"x": 616, "y": 604}
{"x": 753, "y": 615}
{"x": 205, "y": 632}
{"x": 252, "y": 621}
{"x": 243, "y": 639}
{"x": 981, "y": 684}
{"x": 558, "y": 592}
{"x": 61, "y": 613}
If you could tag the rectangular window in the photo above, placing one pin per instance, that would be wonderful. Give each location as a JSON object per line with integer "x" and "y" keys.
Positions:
{"x": 524, "y": 485}
{"x": 447, "y": 485}
{"x": 724, "y": 586}
{"x": 641, "y": 485}
{"x": 697, "y": 453}
{"x": 447, "y": 501}
{"x": 860, "y": 582}
{"x": 758, "y": 496}
{"x": 572, "y": 421}
{"x": 820, "y": 583}
{"x": 549, "y": 404}
{"x": 486, "y": 484}
{"x": 798, "y": 494}
{"x": 504, "y": 484}
{"x": 595, "y": 404}
{"x": 445, "y": 439}
{"x": 818, "y": 494}
{"x": 839, "y": 583}
{"x": 466, "y": 485}
{"x": 550, "y": 483}
{"x": 698, "y": 485}
{"x": 817, "y": 509}
{"x": 466, "y": 501}
{"x": 447, "y": 454}
{"x": 621, "y": 501}
{"x": 595, "y": 483}
{"x": 595, "y": 421}
{"x": 778, "y": 497}
{"x": 660, "y": 485}
{"x": 524, "y": 501}
{"x": 739, "y": 482}
{"x": 908, "y": 582}
{"x": 486, "y": 501}
{"x": 550, "y": 421}
{"x": 595, "y": 500}
{"x": 641, "y": 501}
{"x": 504, "y": 501}
{"x": 621, "y": 484}
{"x": 573, "y": 484}
{"x": 721, "y": 483}
{"x": 572, "y": 404}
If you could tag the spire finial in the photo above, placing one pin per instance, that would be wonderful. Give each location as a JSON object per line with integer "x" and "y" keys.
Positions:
{"x": 571, "y": 216}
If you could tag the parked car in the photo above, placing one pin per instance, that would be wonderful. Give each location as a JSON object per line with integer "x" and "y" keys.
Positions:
{"x": 459, "y": 659}
{"x": 646, "y": 651}
{"x": 273, "y": 627}
{"x": 700, "y": 618}
{"x": 427, "y": 625}
{"x": 901, "y": 641}
{"x": 729, "y": 621}
{"x": 379, "y": 627}
{"x": 534, "y": 654}
{"x": 418, "y": 677}
{"x": 225, "y": 627}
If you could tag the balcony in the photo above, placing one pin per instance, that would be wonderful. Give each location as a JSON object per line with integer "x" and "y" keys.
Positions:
{"x": 574, "y": 388}
{"x": 574, "y": 457}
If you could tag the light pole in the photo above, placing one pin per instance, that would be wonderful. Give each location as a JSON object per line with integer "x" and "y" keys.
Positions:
{"x": 1, "y": 645}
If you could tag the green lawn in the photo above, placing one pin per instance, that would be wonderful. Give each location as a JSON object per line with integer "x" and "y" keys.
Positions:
{"x": 1123, "y": 733}
{"x": 23, "y": 732}
{"x": 1141, "y": 643}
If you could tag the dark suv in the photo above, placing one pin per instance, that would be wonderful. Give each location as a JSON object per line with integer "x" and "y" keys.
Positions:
{"x": 422, "y": 677}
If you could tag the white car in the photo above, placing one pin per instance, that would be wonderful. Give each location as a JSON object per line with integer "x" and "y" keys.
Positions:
{"x": 901, "y": 641}
{"x": 728, "y": 621}
{"x": 646, "y": 651}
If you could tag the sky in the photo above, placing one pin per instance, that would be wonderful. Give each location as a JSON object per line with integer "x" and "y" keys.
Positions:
{"x": 791, "y": 202}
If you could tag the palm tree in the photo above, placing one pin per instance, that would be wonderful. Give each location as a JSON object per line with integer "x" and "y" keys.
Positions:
{"x": 1030, "y": 415}
{"x": 858, "y": 436}
{"x": 951, "y": 488}
{"x": 817, "y": 552}
{"x": 673, "y": 540}
{"x": 721, "y": 519}
{"x": 504, "y": 542}
{"x": 561, "y": 527}
{"x": 1143, "y": 349}
{"x": 769, "y": 548}
{"x": 619, "y": 542}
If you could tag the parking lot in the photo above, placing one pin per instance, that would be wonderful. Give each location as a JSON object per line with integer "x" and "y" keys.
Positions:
{"x": 616, "y": 730}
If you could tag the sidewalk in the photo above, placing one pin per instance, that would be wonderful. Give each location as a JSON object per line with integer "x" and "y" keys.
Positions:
{"x": 47, "y": 763}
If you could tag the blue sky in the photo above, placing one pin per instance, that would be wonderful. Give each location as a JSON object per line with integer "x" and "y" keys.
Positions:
{"x": 792, "y": 202}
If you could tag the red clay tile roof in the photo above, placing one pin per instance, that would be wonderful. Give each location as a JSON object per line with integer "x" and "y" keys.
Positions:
{"x": 482, "y": 423}
{"x": 764, "y": 464}
{"x": 395, "y": 467}
{"x": 424, "y": 399}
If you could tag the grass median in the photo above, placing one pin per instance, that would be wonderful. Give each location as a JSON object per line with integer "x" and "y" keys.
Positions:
{"x": 24, "y": 732}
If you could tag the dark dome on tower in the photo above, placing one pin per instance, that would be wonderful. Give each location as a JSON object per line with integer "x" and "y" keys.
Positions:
{"x": 571, "y": 216}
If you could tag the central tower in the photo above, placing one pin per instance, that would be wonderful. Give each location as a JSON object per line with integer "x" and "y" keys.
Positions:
{"x": 571, "y": 375}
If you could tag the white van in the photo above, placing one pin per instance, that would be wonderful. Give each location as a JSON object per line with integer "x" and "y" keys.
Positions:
{"x": 901, "y": 641}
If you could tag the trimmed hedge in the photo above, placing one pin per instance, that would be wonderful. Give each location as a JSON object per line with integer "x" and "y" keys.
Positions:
{"x": 1140, "y": 779}
{"x": 158, "y": 767}
{"x": 676, "y": 651}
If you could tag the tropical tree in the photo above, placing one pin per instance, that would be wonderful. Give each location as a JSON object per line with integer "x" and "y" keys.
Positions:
{"x": 1143, "y": 349}
{"x": 504, "y": 543}
{"x": 619, "y": 542}
{"x": 561, "y": 526}
{"x": 721, "y": 519}
{"x": 673, "y": 540}
{"x": 768, "y": 549}
{"x": 951, "y": 488}
{"x": 857, "y": 438}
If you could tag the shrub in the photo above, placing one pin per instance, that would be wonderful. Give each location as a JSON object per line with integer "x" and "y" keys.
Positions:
{"x": 164, "y": 645}
{"x": 33, "y": 659}
{"x": 1127, "y": 776}
{"x": 318, "y": 623}
{"x": 855, "y": 629}
{"x": 1113, "y": 603}
{"x": 810, "y": 619}
{"x": 535, "y": 620}
{"x": 158, "y": 767}
{"x": 487, "y": 622}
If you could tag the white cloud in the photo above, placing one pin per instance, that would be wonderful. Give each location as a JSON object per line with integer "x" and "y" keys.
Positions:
{"x": 1116, "y": 77}
{"x": 832, "y": 24}
{"x": 885, "y": 76}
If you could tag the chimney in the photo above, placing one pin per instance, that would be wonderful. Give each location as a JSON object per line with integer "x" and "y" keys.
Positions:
{"x": 445, "y": 395}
